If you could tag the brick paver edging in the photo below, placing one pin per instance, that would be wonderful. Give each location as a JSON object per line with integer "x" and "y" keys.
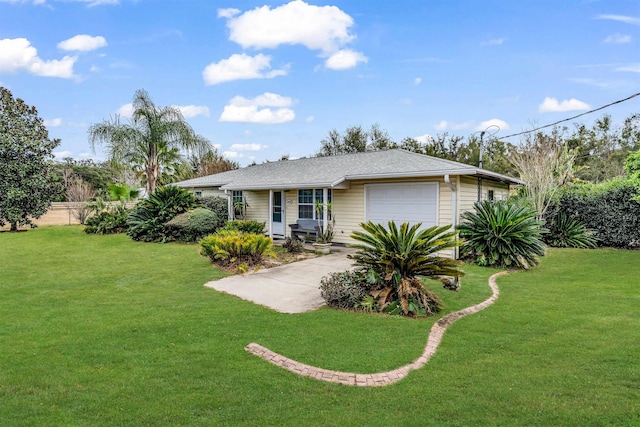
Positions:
{"x": 381, "y": 378}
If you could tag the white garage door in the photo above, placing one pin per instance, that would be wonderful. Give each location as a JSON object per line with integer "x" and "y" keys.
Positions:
{"x": 411, "y": 202}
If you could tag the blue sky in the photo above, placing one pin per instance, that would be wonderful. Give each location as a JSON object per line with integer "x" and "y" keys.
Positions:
{"x": 262, "y": 79}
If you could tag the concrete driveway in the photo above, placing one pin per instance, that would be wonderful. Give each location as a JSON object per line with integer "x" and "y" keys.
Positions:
{"x": 289, "y": 288}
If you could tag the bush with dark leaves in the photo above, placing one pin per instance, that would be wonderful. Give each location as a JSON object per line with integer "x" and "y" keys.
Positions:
{"x": 219, "y": 206}
{"x": 147, "y": 219}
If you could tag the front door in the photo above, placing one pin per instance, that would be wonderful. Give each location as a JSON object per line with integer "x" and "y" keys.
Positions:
{"x": 277, "y": 214}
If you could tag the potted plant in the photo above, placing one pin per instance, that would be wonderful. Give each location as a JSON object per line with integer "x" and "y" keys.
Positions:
{"x": 322, "y": 245}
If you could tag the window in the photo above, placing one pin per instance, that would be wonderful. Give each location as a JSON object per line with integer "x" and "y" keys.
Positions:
{"x": 237, "y": 197}
{"x": 239, "y": 205}
{"x": 307, "y": 201}
{"x": 198, "y": 193}
{"x": 490, "y": 195}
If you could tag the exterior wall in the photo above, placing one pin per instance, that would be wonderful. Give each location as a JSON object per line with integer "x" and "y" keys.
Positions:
{"x": 349, "y": 206}
{"x": 469, "y": 192}
{"x": 208, "y": 192}
{"x": 258, "y": 202}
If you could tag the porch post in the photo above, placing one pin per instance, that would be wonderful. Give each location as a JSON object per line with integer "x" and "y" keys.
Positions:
{"x": 229, "y": 204}
{"x": 325, "y": 209}
{"x": 270, "y": 214}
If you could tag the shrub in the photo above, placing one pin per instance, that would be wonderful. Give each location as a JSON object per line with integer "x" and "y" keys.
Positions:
{"x": 393, "y": 259}
{"x": 344, "y": 289}
{"x": 293, "y": 245}
{"x": 502, "y": 234}
{"x": 609, "y": 209}
{"x": 192, "y": 226}
{"x": 233, "y": 248}
{"x": 147, "y": 219}
{"x": 219, "y": 206}
{"x": 110, "y": 221}
{"x": 568, "y": 232}
{"x": 245, "y": 226}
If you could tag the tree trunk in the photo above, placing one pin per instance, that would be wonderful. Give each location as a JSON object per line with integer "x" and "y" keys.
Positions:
{"x": 14, "y": 226}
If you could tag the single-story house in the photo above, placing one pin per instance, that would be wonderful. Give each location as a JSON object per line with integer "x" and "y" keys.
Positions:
{"x": 374, "y": 186}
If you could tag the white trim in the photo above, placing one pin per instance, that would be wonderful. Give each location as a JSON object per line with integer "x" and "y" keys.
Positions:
{"x": 271, "y": 214}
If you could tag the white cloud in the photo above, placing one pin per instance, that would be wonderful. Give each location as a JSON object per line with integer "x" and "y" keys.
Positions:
{"x": 324, "y": 28}
{"x": 617, "y": 38}
{"x": 444, "y": 125}
{"x": 552, "y": 105}
{"x": 501, "y": 124}
{"x": 344, "y": 59}
{"x": 18, "y": 55}
{"x": 125, "y": 111}
{"x": 493, "y": 42}
{"x": 426, "y": 138}
{"x": 240, "y": 67}
{"x": 309, "y": 119}
{"x": 247, "y": 147}
{"x": 634, "y": 68}
{"x": 241, "y": 109}
{"x": 228, "y": 13}
{"x": 83, "y": 43}
{"x": 417, "y": 81}
{"x": 193, "y": 110}
{"x": 52, "y": 122}
{"x": 62, "y": 154}
{"x": 591, "y": 82}
{"x": 232, "y": 154}
{"x": 621, "y": 18}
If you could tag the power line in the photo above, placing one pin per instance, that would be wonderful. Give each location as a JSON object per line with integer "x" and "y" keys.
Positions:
{"x": 571, "y": 118}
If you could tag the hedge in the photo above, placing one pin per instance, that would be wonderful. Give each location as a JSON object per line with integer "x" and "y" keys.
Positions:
{"x": 609, "y": 209}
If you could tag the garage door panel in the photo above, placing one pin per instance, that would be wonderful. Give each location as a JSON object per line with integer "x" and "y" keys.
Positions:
{"x": 406, "y": 202}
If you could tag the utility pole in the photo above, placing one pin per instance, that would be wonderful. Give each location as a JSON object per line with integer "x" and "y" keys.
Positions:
{"x": 480, "y": 166}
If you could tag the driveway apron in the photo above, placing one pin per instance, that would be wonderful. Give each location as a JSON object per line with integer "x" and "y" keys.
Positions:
{"x": 289, "y": 288}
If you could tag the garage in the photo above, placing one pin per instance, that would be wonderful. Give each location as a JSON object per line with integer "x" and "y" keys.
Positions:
{"x": 411, "y": 202}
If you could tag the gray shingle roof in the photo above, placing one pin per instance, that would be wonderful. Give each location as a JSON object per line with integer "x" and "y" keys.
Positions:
{"x": 330, "y": 171}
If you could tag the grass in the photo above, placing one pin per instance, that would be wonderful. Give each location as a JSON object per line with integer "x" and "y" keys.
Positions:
{"x": 101, "y": 330}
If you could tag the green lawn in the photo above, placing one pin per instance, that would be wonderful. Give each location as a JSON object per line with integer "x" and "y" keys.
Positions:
{"x": 101, "y": 330}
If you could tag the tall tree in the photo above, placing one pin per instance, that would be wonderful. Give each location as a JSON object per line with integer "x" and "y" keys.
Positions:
{"x": 355, "y": 140}
{"x": 151, "y": 141}
{"x": 545, "y": 163}
{"x": 331, "y": 145}
{"x": 379, "y": 139}
{"x": 25, "y": 162}
{"x": 602, "y": 148}
{"x": 205, "y": 160}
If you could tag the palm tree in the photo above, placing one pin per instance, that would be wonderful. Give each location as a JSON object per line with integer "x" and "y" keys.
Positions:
{"x": 152, "y": 139}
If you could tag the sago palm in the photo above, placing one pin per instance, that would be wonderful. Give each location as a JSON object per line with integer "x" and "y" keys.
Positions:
{"x": 502, "y": 234}
{"x": 395, "y": 257}
{"x": 569, "y": 232}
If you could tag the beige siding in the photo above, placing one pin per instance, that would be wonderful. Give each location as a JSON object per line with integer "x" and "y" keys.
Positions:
{"x": 210, "y": 192}
{"x": 348, "y": 209}
{"x": 349, "y": 206}
{"x": 258, "y": 202}
{"x": 469, "y": 192}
